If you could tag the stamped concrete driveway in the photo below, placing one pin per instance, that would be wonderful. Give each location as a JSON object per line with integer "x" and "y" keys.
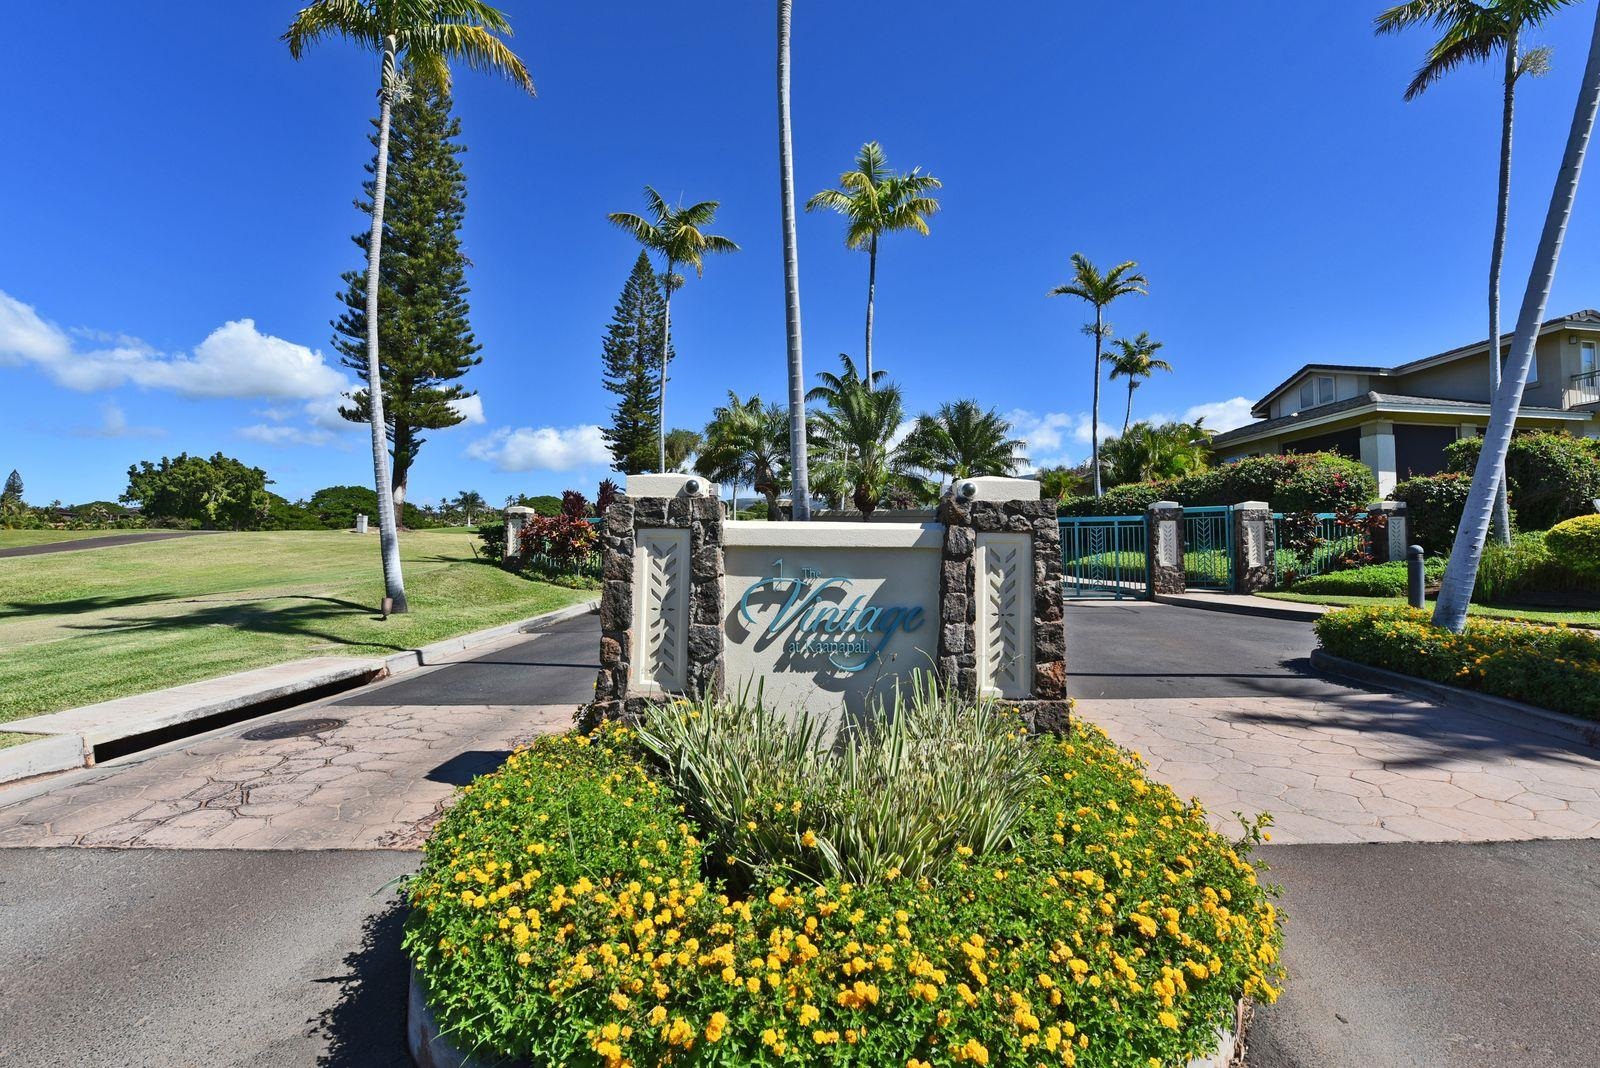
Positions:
{"x": 248, "y": 914}
{"x": 1425, "y": 925}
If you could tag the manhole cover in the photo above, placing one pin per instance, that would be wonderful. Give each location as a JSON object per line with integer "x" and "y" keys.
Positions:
{"x": 292, "y": 728}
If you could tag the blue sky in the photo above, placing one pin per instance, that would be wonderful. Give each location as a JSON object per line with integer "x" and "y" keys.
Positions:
{"x": 178, "y": 195}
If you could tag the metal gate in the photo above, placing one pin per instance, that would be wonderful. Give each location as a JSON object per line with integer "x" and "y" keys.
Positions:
{"x": 1104, "y": 556}
{"x": 1208, "y": 548}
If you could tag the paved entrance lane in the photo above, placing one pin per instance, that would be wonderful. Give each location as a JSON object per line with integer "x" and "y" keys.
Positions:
{"x": 1133, "y": 649}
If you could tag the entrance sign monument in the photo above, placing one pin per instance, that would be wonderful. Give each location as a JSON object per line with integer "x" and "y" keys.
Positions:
{"x": 829, "y": 616}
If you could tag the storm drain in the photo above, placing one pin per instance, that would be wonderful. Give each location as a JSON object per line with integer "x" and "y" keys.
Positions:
{"x": 292, "y": 728}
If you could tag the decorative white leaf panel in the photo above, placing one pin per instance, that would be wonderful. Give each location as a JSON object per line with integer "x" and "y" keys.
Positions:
{"x": 1255, "y": 543}
{"x": 660, "y": 610}
{"x": 1167, "y": 542}
{"x": 1004, "y": 630}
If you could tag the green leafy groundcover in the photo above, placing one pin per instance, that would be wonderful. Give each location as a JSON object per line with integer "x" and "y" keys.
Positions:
{"x": 1551, "y": 667}
{"x": 563, "y": 915}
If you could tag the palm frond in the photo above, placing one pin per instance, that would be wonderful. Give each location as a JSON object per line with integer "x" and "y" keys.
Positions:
{"x": 476, "y": 46}
{"x": 350, "y": 20}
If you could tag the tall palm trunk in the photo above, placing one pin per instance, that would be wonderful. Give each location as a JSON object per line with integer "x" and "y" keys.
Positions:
{"x": 1461, "y": 575}
{"x": 800, "y": 492}
{"x": 1502, "y": 510}
{"x": 1094, "y": 415}
{"x": 872, "y": 293}
{"x": 1127, "y": 417}
{"x": 388, "y": 536}
{"x": 661, "y": 395}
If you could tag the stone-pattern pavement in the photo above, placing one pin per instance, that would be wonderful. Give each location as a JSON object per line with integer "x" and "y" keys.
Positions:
{"x": 377, "y": 782}
{"x": 1361, "y": 767}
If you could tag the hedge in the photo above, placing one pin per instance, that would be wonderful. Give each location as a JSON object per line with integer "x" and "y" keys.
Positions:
{"x": 1310, "y": 482}
{"x": 1433, "y": 508}
{"x": 1549, "y": 476}
{"x": 1373, "y": 580}
{"x": 568, "y": 912}
{"x": 1552, "y": 667}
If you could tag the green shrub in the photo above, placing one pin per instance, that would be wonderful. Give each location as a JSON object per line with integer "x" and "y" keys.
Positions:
{"x": 1528, "y": 566}
{"x": 1373, "y": 580}
{"x": 1552, "y": 667}
{"x": 1549, "y": 476}
{"x": 936, "y": 776}
{"x": 493, "y": 537}
{"x": 1433, "y": 508}
{"x": 1310, "y": 482}
{"x": 565, "y": 914}
{"x": 1576, "y": 543}
{"x": 336, "y": 508}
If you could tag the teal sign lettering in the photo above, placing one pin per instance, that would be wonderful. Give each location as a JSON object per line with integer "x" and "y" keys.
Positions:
{"x": 850, "y": 632}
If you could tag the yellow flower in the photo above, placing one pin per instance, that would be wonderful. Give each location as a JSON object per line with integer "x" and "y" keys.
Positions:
{"x": 1167, "y": 1019}
{"x": 809, "y": 840}
{"x": 718, "y": 1024}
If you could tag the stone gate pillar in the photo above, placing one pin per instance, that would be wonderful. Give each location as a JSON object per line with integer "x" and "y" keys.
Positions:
{"x": 1392, "y": 542}
{"x": 516, "y": 516}
{"x": 1254, "y": 546}
{"x": 1164, "y": 546}
{"x": 1002, "y": 631}
{"x": 661, "y": 596}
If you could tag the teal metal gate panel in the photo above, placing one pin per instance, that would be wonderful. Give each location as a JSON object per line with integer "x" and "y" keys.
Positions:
{"x": 1104, "y": 556}
{"x": 1208, "y": 548}
{"x": 1324, "y": 546}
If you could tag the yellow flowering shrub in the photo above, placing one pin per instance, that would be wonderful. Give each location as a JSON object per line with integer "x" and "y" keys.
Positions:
{"x": 564, "y": 915}
{"x": 1553, "y": 667}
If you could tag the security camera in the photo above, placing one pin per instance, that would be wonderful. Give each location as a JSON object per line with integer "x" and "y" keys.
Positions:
{"x": 967, "y": 490}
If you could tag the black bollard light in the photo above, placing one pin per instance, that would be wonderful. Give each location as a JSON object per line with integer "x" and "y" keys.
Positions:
{"x": 1414, "y": 576}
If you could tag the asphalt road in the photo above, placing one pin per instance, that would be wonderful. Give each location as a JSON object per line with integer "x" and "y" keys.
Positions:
{"x": 106, "y": 542}
{"x": 1142, "y": 649}
{"x": 174, "y": 958}
{"x": 1456, "y": 956}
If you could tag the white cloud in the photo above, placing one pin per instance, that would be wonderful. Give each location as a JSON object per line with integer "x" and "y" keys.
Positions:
{"x": 285, "y": 434}
{"x": 542, "y": 449}
{"x": 234, "y": 360}
{"x": 470, "y": 409}
{"x": 1047, "y": 437}
{"x": 114, "y": 424}
{"x": 1221, "y": 415}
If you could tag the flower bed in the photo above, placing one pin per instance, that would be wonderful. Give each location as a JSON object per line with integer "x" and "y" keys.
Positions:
{"x": 568, "y": 912}
{"x": 1551, "y": 667}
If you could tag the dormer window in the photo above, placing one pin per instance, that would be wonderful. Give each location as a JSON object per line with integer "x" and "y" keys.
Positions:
{"x": 1307, "y": 396}
{"x": 1324, "y": 389}
{"x": 1315, "y": 391}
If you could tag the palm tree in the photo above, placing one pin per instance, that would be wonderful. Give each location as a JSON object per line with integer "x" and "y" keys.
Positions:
{"x": 1099, "y": 289}
{"x": 470, "y": 501}
{"x": 680, "y": 444}
{"x": 1455, "y": 593}
{"x": 674, "y": 233}
{"x": 1134, "y": 359}
{"x": 962, "y": 440}
{"x": 425, "y": 35}
{"x": 854, "y": 437}
{"x": 1145, "y": 453}
{"x": 800, "y": 506}
{"x": 835, "y": 386}
{"x": 877, "y": 201}
{"x": 747, "y": 443}
{"x": 1474, "y": 31}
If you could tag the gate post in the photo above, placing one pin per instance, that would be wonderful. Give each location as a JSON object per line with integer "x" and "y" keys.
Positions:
{"x": 1164, "y": 547}
{"x": 516, "y": 516}
{"x": 1391, "y": 545}
{"x": 1254, "y": 546}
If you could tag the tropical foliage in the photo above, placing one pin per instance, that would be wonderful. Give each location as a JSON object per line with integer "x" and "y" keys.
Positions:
{"x": 1146, "y": 453}
{"x": 1577, "y": 542}
{"x": 215, "y": 492}
{"x": 1135, "y": 360}
{"x": 572, "y": 909}
{"x": 675, "y": 233}
{"x": 854, "y": 458}
{"x": 1308, "y": 482}
{"x": 961, "y": 440}
{"x": 747, "y": 444}
{"x": 876, "y": 201}
{"x": 1099, "y": 289}
{"x": 1552, "y": 667}
{"x": 1550, "y": 476}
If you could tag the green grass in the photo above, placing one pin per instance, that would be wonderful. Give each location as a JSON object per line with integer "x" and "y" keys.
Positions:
{"x": 1578, "y": 617}
{"x": 11, "y": 539}
{"x": 83, "y": 627}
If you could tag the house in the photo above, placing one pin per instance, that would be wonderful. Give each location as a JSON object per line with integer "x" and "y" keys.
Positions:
{"x": 1397, "y": 420}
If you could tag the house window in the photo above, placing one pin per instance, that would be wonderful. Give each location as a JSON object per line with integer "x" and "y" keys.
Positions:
{"x": 1307, "y": 397}
{"x": 1586, "y": 358}
{"x": 1324, "y": 389}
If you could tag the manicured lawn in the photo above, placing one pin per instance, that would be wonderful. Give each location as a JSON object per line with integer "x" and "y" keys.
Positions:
{"x": 1578, "y": 617}
{"x": 11, "y": 539}
{"x": 89, "y": 626}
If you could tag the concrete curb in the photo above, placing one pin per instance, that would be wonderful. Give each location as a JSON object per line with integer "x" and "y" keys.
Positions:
{"x": 45, "y": 755}
{"x": 430, "y": 1048}
{"x": 1582, "y": 732}
{"x": 1245, "y": 605}
{"x": 81, "y": 730}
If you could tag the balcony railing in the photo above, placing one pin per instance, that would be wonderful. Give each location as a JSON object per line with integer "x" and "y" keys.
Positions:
{"x": 1584, "y": 389}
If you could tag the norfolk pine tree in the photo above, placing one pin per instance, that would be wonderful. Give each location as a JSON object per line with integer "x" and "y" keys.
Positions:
{"x": 629, "y": 359}
{"x": 425, "y": 339}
